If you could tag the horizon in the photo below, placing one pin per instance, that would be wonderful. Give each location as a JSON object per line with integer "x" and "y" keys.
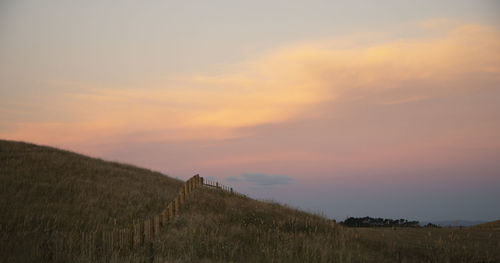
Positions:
{"x": 349, "y": 108}
{"x": 441, "y": 222}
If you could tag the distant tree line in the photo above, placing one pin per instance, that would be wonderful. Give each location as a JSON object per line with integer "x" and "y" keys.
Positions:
{"x": 381, "y": 222}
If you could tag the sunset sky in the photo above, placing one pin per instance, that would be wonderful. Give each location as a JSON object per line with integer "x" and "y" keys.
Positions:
{"x": 350, "y": 108}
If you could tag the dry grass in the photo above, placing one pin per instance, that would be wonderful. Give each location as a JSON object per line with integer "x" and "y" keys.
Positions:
{"x": 42, "y": 185}
{"x": 430, "y": 244}
{"x": 44, "y": 189}
{"x": 494, "y": 225}
{"x": 220, "y": 227}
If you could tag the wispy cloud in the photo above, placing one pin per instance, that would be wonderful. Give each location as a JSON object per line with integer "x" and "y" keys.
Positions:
{"x": 260, "y": 179}
{"x": 282, "y": 85}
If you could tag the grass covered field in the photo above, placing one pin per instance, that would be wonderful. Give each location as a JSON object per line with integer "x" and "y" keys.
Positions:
{"x": 45, "y": 189}
{"x": 430, "y": 244}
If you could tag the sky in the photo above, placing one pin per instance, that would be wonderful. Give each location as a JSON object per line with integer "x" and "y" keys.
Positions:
{"x": 346, "y": 108}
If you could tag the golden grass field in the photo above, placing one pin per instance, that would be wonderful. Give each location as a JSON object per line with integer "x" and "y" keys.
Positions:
{"x": 45, "y": 189}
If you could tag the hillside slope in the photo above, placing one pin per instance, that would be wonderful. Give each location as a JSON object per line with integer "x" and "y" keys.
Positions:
{"x": 44, "y": 185}
{"x": 45, "y": 190}
{"x": 493, "y": 225}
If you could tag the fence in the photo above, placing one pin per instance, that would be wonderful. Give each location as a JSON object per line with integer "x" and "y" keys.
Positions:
{"x": 217, "y": 185}
{"x": 62, "y": 245}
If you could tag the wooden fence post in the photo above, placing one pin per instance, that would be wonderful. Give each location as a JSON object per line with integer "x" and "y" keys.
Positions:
{"x": 119, "y": 241}
{"x": 134, "y": 236}
{"x": 131, "y": 238}
{"x": 164, "y": 217}
{"x": 121, "y": 237}
{"x": 116, "y": 238}
{"x": 111, "y": 241}
{"x": 176, "y": 201}
{"x": 151, "y": 228}
{"x": 170, "y": 211}
{"x": 86, "y": 244}
{"x": 125, "y": 239}
{"x": 106, "y": 241}
{"x": 181, "y": 196}
{"x": 109, "y": 244}
{"x": 156, "y": 226}
{"x": 83, "y": 244}
{"x": 93, "y": 252}
{"x": 146, "y": 231}
{"x": 115, "y": 245}
{"x": 139, "y": 234}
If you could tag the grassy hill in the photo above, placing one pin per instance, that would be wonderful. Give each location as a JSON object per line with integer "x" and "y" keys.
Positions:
{"x": 44, "y": 189}
{"x": 494, "y": 225}
{"x": 40, "y": 185}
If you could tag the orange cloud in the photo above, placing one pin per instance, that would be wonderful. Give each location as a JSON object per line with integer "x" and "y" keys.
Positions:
{"x": 282, "y": 85}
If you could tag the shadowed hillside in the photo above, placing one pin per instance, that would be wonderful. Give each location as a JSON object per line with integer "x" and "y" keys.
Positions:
{"x": 44, "y": 190}
{"x": 74, "y": 191}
